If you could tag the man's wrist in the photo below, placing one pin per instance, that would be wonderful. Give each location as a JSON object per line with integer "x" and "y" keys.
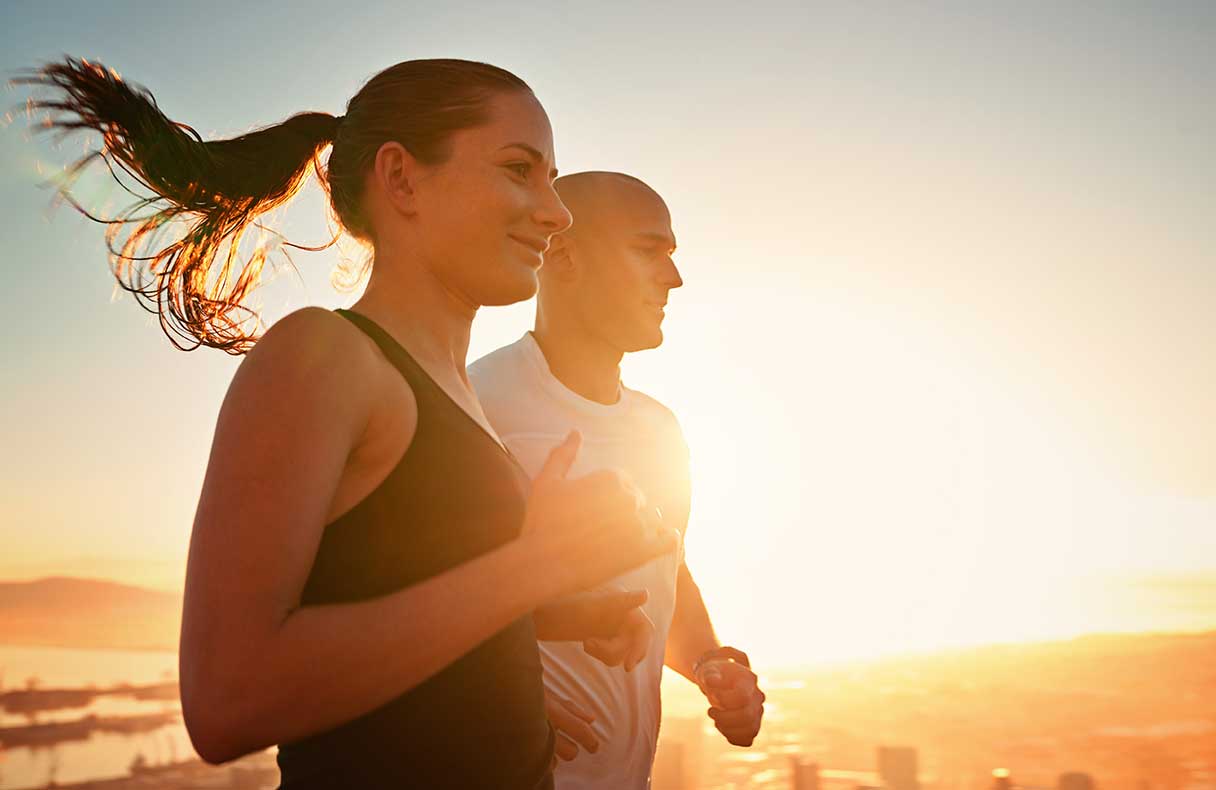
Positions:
{"x": 723, "y": 653}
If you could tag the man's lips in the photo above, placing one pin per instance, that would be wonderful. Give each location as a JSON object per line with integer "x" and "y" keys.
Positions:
{"x": 540, "y": 245}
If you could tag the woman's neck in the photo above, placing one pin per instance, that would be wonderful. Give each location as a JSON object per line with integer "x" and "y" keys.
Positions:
{"x": 423, "y": 314}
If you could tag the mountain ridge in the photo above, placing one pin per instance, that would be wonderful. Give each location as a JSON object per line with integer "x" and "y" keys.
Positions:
{"x": 67, "y": 611}
{"x": 90, "y": 613}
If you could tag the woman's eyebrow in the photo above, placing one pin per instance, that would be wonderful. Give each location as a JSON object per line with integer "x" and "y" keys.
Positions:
{"x": 532, "y": 153}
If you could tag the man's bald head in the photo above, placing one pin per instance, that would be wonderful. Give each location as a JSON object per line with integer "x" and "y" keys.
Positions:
{"x": 598, "y": 198}
{"x": 609, "y": 274}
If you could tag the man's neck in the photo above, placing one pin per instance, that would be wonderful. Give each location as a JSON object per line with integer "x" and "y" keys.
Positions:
{"x": 582, "y": 364}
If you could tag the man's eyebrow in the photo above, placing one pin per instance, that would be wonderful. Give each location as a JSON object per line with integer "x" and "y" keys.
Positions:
{"x": 532, "y": 153}
{"x": 658, "y": 238}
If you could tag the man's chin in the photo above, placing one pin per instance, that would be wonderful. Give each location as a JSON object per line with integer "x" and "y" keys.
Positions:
{"x": 646, "y": 341}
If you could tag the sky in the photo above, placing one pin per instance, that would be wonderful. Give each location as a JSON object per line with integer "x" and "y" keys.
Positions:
{"x": 943, "y": 353}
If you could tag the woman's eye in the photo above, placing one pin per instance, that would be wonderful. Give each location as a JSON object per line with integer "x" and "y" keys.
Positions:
{"x": 520, "y": 168}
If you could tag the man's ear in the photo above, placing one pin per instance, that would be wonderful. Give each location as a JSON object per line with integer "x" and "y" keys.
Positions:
{"x": 396, "y": 172}
{"x": 560, "y": 258}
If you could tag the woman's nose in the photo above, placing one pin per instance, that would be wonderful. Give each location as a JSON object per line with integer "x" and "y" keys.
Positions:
{"x": 552, "y": 213}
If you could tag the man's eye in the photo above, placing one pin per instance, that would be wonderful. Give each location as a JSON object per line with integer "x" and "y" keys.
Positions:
{"x": 520, "y": 168}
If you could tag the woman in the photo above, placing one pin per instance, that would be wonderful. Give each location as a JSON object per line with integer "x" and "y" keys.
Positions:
{"x": 366, "y": 555}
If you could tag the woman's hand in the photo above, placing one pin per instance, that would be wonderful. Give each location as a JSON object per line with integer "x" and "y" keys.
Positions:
{"x": 589, "y": 529}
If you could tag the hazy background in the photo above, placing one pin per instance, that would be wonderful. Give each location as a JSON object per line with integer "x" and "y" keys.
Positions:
{"x": 944, "y": 352}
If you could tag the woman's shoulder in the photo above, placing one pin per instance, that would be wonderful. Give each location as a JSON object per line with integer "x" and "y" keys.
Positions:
{"x": 312, "y": 341}
{"x": 315, "y": 353}
{"x": 310, "y": 328}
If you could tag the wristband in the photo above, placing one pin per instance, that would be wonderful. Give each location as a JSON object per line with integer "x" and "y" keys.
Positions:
{"x": 730, "y": 653}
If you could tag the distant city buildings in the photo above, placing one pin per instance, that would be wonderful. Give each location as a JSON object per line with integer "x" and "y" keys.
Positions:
{"x": 1002, "y": 779}
{"x": 678, "y": 759}
{"x": 670, "y": 770}
{"x": 897, "y": 768}
{"x": 1075, "y": 781}
{"x": 678, "y": 766}
{"x": 804, "y": 775}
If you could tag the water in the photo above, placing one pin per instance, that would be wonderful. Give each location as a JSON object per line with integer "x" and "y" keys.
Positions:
{"x": 59, "y": 667}
{"x": 103, "y": 754}
{"x": 107, "y": 706}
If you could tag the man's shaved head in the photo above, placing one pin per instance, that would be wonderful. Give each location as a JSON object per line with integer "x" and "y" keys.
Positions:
{"x": 597, "y": 197}
{"x": 609, "y": 274}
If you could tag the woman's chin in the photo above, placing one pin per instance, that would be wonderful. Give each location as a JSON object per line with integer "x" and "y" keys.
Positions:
{"x": 520, "y": 287}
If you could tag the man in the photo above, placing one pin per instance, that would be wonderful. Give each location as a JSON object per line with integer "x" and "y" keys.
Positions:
{"x": 603, "y": 287}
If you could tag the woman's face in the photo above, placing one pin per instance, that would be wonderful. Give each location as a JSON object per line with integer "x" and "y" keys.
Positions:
{"x": 486, "y": 214}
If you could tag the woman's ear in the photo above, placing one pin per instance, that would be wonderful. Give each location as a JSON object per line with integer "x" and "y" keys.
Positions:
{"x": 395, "y": 173}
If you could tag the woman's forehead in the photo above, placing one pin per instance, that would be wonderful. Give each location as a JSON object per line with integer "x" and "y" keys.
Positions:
{"x": 516, "y": 118}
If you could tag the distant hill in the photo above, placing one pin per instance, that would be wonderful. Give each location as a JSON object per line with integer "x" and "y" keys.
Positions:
{"x": 1132, "y": 666}
{"x": 64, "y": 611}
{"x": 88, "y": 613}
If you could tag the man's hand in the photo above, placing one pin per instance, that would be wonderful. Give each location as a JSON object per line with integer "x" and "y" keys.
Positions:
{"x": 572, "y": 725}
{"x": 738, "y": 703}
{"x": 597, "y": 614}
{"x": 628, "y": 645}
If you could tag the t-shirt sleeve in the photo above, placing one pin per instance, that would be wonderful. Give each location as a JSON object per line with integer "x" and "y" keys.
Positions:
{"x": 681, "y": 474}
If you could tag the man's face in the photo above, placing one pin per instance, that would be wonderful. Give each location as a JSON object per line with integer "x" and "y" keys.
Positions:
{"x": 624, "y": 268}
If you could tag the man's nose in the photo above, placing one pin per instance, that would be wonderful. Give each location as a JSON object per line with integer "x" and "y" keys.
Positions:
{"x": 671, "y": 275}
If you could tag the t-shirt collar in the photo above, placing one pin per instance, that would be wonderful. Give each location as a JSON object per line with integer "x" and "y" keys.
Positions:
{"x": 563, "y": 393}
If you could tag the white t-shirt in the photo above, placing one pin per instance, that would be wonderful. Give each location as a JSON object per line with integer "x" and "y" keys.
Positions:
{"x": 532, "y": 412}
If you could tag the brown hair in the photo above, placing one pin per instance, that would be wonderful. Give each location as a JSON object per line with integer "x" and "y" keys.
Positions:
{"x": 220, "y": 187}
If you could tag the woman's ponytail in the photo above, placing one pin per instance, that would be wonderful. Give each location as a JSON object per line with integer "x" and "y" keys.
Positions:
{"x": 218, "y": 188}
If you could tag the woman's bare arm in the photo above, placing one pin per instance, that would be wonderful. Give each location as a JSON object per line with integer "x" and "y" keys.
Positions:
{"x": 256, "y": 669}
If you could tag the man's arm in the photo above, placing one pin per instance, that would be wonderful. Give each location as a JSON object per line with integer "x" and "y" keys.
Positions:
{"x": 731, "y": 687}
{"x": 691, "y": 632}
